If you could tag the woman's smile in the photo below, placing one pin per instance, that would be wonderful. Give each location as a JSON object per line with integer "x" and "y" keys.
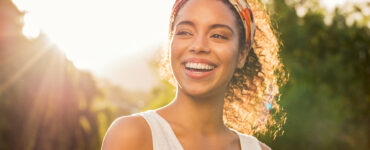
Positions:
{"x": 197, "y": 68}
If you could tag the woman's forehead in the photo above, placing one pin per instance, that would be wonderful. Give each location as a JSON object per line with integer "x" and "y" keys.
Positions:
{"x": 206, "y": 12}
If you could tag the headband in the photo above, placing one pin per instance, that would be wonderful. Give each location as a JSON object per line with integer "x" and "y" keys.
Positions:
{"x": 244, "y": 11}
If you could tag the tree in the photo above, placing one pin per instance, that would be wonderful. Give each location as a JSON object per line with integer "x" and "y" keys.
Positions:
{"x": 327, "y": 98}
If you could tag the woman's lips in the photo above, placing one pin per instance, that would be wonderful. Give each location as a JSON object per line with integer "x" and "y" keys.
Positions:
{"x": 204, "y": 69}
{"x": 194, "y": 74}
{"x": 199, "y": 60}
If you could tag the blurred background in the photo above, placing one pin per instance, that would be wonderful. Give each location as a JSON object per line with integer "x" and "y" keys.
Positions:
{"x": 69, "y": 68}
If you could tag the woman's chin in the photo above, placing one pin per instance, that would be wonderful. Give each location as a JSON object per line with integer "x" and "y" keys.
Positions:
{"x": 199, "y": 92}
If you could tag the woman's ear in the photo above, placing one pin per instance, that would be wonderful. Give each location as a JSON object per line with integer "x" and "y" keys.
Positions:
{"x": 242, "y": 57}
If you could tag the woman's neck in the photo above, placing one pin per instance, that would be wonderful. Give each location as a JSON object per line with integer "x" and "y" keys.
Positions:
{"x": 201, "y": 115}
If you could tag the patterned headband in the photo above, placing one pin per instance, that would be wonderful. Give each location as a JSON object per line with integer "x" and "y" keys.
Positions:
{"x": 244, "y": 11}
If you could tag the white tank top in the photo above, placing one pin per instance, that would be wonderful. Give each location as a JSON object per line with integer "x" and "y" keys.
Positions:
{"x": 164, "y": 138}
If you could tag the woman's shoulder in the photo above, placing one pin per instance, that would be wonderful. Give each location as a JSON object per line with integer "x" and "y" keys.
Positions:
{"x": 255, "y": 140}
{"x": 128, "y": 132}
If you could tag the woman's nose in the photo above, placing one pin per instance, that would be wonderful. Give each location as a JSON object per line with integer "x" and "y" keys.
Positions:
{"x": 200, "y": 45}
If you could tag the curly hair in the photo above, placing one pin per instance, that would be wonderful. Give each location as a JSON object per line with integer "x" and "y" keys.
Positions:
{"x": 250, "y": 104}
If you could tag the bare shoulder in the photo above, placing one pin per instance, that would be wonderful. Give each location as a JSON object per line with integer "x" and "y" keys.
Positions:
{"x": 128, "y": 132}
{"x": 264, "y": 146}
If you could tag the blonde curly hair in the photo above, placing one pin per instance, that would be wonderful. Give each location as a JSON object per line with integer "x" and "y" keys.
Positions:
{"x": 250, "y": 104}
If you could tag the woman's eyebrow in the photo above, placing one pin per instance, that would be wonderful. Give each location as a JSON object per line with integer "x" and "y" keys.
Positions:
{"x": 185, "y": 22}
{"x": 222, "y": 26}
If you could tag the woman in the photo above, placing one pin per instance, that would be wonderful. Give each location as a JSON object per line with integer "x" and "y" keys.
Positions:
{"x": 220, "y": 80}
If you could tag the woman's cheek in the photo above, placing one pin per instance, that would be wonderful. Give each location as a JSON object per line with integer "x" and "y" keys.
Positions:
{"x": 229, "y": 58}
{"x": 176, "y": 47}
{"x": 228, "y": 54}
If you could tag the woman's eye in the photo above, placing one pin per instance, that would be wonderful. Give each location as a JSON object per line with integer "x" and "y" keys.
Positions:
{"x": 183, "y": 33}
{"x": 218, "y": 36}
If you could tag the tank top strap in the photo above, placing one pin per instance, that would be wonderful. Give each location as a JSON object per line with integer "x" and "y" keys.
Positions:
{"x": 163, "y": 137}
{"x": 248, "y": 142}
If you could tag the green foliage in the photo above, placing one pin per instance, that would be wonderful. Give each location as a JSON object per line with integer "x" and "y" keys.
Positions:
{"x": 161, "y": 95}
{"x": 327, "y": 98}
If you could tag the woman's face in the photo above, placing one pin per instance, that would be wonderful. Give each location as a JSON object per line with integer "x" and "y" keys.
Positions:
{"x": 204, "y": 48}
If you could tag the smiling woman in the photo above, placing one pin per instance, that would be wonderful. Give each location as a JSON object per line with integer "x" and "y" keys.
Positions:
{"x": 224, "y": 63}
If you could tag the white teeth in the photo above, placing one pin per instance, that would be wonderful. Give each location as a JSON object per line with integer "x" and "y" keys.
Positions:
{"x": 202, "y": 66}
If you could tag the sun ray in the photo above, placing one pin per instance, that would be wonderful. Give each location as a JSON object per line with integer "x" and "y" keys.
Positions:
{"x": 48, "y": 101}
{"x": 22, "y": 70}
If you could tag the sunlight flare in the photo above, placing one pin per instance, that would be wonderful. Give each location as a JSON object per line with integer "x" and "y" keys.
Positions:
{"x": 93, "y": 34}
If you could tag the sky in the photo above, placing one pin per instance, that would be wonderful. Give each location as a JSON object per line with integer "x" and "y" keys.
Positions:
{"x": 94, "y": 32}
{"x": 113, "y": 39}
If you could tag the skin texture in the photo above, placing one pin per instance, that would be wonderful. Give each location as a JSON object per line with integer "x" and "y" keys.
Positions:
{"x": 203, "y": 29}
